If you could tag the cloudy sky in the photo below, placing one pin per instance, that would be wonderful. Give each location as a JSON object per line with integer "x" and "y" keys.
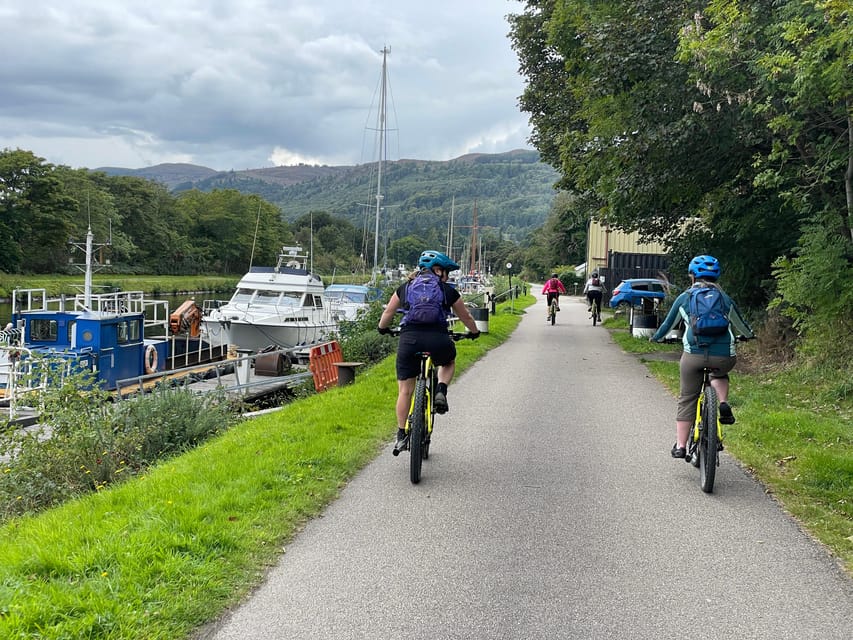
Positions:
{"x": 237, "y": 84}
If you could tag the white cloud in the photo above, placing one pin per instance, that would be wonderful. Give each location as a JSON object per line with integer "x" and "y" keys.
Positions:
{"x": 242, "y": 83}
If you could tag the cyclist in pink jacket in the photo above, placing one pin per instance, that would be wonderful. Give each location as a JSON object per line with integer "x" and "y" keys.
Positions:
{"x": 552, "y": 289}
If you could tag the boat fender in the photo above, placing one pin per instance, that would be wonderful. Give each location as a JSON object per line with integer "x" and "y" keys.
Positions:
{"x": 150, "y": 359}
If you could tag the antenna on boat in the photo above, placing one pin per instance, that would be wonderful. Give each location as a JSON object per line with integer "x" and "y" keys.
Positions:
{"x": 255, "y": 238}
{"x": 87, "y": 268}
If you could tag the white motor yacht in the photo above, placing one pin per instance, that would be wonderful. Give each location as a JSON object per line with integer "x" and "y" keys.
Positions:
{"x": 282, "y": 306}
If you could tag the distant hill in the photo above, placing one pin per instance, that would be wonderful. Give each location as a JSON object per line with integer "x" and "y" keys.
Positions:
{"x": 512, "y": 191}
{"x": 169, "y": 174}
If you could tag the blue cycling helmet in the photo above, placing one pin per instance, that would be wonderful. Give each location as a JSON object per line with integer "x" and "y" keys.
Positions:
{"x": 704, "y": 267}
{"x": 430, "y": 259}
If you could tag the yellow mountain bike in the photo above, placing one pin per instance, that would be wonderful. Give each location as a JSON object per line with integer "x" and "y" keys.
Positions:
{"x": 421, "y": 418}
{"x": 706, "y": 438}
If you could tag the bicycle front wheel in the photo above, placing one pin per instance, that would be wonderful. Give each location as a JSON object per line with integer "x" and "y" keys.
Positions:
{"x": 417, "y": 431}
{"x": 708, "y": 442}
{"x": 594, "y": 313}
{"x": 553, "y": 312}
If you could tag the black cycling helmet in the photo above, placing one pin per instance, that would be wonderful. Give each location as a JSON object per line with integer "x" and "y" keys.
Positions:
{"x": 554, "y": 275}
{"x": 704, "y": 267}
{"x": 595, "y": 274}
{"x": 430, "y": 259}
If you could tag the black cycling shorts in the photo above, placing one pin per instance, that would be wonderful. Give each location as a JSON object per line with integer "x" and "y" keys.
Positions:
{"x": 438, "y": 343}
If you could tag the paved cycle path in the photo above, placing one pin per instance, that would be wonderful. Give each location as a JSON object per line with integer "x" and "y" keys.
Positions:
{"x": 550, "y": 508}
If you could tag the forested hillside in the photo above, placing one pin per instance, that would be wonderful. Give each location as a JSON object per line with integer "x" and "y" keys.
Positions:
{"x": 513, "y": 191}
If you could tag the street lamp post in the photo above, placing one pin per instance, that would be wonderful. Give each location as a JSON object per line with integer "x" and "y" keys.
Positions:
{"x": 511, "y": 292}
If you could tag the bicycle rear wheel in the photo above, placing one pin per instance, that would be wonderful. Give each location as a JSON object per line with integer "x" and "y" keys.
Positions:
{"x": 417, "y": 431}
{"x": 708, "y": 442}
{"x": 553, "y": 312}
{"x": 595, "y": 312}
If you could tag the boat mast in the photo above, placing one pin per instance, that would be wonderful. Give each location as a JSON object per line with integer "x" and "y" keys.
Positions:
{"x": 474, "y": 241}
{"x": 381, "y": 128}
{"x": 450, "y": 228}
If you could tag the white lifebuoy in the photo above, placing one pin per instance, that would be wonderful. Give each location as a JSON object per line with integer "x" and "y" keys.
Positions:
{"x": 150, "y": 359}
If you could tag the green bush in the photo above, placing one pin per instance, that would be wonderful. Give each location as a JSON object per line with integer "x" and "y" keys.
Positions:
{"x": 84, "y": 442}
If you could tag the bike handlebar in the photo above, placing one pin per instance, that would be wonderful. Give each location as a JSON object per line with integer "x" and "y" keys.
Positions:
{"x": 456, "y": 336}
{"x": 676, "y": 340}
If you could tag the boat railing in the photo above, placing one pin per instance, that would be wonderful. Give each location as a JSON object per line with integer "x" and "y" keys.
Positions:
{"x": 24, "y": 373}
{"x": 207, "y": 306}
{"x": 234, "y": 375}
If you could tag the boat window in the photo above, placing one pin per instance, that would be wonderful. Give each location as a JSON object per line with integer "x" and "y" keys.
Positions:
{"x": 134, "y": 332}
{"x": 121, "y": 332}
{"x": 318, "y": 301}
{"x": 242, "y": 295}
{"x": 42, "y": 329}
{"x": 267, "y": 297}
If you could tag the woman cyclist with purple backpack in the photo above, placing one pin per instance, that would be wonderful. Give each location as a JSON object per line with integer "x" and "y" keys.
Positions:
{"x": 426, "y": 301}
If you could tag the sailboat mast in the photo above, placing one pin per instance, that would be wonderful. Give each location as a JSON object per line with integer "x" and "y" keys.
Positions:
{"x": 474, "y": 240}
{"x": 381, "y": 127}
{"x": 450, "y": 227}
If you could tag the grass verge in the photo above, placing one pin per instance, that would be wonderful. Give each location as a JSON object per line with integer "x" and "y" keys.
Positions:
{"x": 794, "y": 433}
{"x": 163, "y": 554}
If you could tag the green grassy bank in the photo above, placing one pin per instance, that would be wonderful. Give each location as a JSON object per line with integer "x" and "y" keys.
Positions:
{"x": 165, "y": 553}
{"x": 57, "y": 284}
{"x": 156, "y": 285}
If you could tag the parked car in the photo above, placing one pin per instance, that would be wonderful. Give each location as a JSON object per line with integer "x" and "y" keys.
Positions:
{"x": 633, "y": 291}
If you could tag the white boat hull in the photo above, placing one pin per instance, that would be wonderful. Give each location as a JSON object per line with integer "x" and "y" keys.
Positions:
{"x": 256, "y": 335}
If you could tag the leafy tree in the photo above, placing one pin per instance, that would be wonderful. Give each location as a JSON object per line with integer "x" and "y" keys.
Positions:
{"x": 790, "y": 70}
{"x": 231, "y": 230}
{"x": 36, "y": 214}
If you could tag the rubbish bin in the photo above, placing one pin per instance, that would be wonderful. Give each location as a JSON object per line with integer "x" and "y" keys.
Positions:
{"x": 644, "y": 325}
{"x": 481, "y": 318}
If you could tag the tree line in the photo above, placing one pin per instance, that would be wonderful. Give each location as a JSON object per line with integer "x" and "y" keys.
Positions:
{"x": 719, "y": 126}
{"x": 152, "y": 230}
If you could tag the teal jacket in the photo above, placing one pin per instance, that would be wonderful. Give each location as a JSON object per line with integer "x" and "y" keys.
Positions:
{"x": 721, "y": 345}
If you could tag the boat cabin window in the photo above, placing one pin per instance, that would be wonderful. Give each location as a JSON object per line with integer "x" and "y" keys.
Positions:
{"x": 43, "y": 329}
{"x": 242, "y": 295}
{"x": 134, "y": 331}
{"x": 291, "y": 298}
{"x": 313, "y": 301}
{"x": 267, "y": 297}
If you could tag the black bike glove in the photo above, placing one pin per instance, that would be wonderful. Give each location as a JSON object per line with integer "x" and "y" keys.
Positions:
{"x": 384, "y": 330}
{"x": 474, "y": 335}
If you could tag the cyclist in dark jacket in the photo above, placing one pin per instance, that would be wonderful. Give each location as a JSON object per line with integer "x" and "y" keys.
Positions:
{"x": 713, "y": 351}
{"x": 432, "y": 337}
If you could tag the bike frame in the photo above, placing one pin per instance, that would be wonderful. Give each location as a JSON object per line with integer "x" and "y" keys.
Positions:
{"x": 429, "y": 375}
